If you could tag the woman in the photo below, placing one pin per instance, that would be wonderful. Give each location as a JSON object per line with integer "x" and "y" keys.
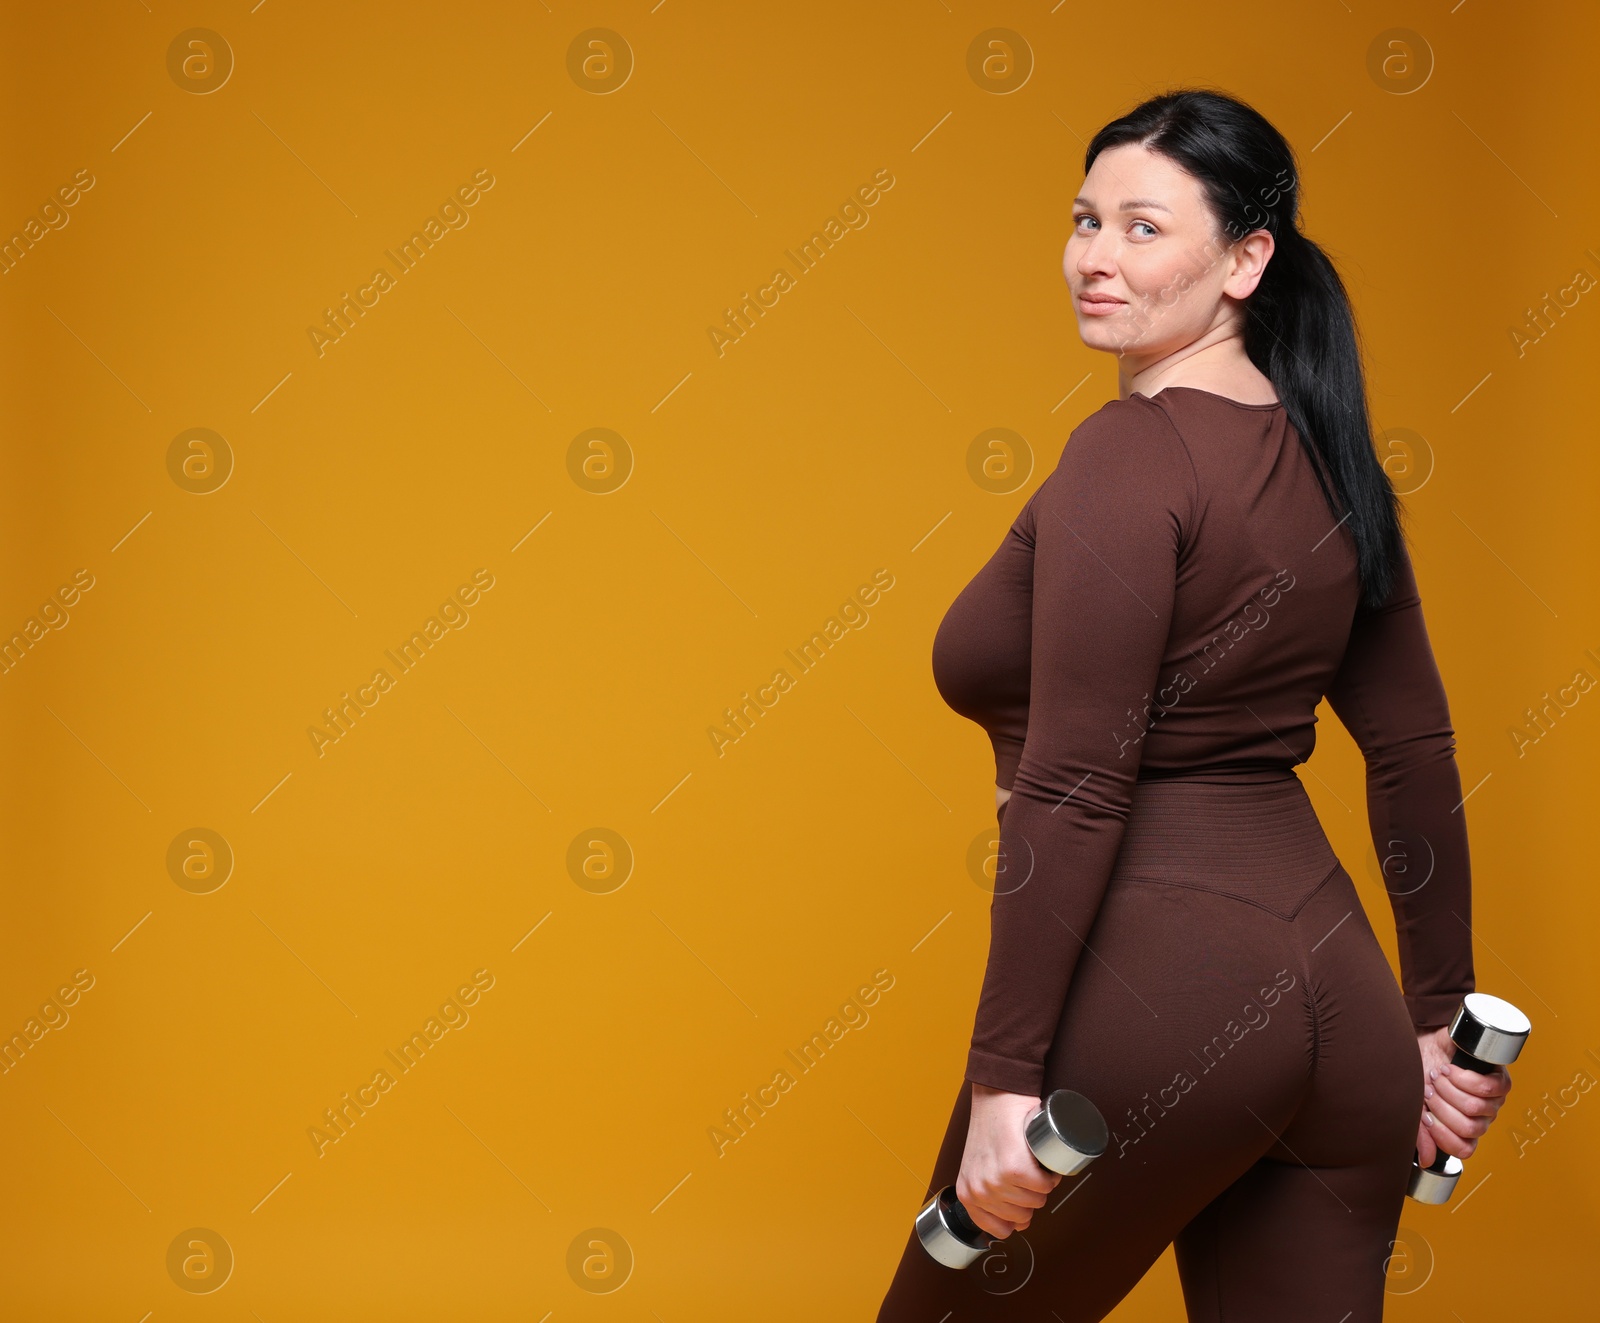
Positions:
{"x": 1172, "y": 934}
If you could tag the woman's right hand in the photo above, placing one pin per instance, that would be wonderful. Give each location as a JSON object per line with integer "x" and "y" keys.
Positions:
{"x": 1001, "y": 1182}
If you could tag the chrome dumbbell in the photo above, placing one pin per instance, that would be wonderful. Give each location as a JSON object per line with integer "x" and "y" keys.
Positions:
{"x": 1487, "y": 1032}
{"x": 1065, "y": 1136}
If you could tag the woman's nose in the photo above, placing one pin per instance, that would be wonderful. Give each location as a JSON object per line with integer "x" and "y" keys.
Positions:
{"x": 1092, "y": 257}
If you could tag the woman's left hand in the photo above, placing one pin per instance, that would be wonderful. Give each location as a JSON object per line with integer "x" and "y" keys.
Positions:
{"x": 1457, "y": 1104}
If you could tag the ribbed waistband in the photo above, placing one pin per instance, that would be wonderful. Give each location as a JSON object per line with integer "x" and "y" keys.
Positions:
{"x": 1258, "y": 838}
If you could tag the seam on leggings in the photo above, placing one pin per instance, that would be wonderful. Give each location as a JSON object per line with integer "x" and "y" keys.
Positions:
{"x": 1327, "y": 877}
{"x": 1233, "y": 895}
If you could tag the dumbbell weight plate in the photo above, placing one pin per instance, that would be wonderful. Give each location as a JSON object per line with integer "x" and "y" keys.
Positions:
{"x": 1488, "y": 1029}
{"x": 1067, "y": 1133}
{"x": 1434, "y": 1187}
{"x": 949, "y": 1235}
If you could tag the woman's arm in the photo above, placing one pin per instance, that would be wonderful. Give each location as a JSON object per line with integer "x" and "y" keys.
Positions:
{"x": 1389, "y": 695}
{"x": 1107, "y": 526}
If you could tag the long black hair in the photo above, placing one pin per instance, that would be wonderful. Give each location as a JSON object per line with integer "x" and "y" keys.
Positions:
{"x": 1299, "y": 327}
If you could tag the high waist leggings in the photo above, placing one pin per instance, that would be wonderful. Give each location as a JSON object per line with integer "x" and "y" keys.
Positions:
{"x": 1237, "y": 1025}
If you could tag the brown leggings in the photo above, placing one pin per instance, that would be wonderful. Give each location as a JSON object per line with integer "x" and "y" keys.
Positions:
{"x": 1242, "y": 1034}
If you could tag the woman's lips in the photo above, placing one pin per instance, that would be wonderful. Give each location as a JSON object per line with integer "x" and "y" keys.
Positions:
{"x": 1098, "y": 305}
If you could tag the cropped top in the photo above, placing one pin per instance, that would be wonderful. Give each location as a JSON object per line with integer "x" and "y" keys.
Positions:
{"x": 1176, "y": 599}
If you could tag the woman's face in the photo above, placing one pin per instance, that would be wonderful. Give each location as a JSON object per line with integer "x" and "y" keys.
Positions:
{"x": 1148, "y": 267}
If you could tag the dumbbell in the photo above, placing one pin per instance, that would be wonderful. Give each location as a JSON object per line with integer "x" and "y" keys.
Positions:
{"x": 1065, "y": 1136}
{"x": 1487, "y": 1032}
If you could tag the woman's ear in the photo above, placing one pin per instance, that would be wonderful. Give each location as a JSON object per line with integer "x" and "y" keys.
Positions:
{"x": 1249, "y": 257}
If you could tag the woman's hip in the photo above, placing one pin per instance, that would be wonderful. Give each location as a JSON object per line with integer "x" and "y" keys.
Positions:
{"x": 1229, "y": 960}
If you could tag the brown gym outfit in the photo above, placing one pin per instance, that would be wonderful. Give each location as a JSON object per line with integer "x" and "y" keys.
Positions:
{"x": 1146, "y": 650}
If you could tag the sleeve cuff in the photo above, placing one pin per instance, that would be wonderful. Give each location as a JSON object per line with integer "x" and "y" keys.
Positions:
{"x": 1433, "y": 1011}
{"x": 1005, "y": 1074}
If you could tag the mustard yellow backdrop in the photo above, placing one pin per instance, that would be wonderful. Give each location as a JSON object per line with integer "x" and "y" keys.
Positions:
{"x": 428, "y": 433}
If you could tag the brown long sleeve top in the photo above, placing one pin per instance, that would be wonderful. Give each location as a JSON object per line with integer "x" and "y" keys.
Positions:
{"x": 1176, "y": 598}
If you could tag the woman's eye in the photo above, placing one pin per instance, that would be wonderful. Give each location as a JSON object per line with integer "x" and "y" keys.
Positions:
{"x": 1084, "y": 221}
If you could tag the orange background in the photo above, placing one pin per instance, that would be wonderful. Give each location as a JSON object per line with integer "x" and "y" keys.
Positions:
{"x": 764, "y": 484}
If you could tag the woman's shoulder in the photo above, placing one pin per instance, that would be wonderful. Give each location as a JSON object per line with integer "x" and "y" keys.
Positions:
{"x": 1127, "y": 442}
{"x": 1134, "y": 424}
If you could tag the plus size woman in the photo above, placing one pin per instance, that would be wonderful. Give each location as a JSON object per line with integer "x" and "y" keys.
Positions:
{"x": 1172, "y": 934}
